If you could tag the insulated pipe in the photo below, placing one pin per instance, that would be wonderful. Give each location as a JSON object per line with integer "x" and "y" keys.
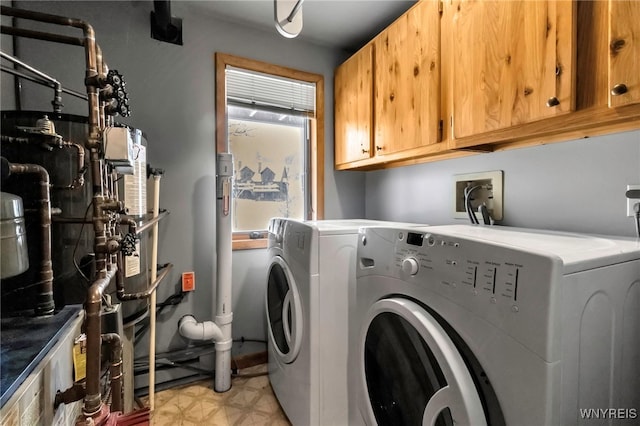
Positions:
{"x": 44, "y": 299}
{"x": 93, "y": 327}
{"x": 152, "y": 302}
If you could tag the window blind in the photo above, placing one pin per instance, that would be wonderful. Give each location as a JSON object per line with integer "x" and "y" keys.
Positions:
{"x": 254, "y": 88}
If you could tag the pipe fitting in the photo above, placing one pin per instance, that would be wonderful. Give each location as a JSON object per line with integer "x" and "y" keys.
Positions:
{"x": 193, "y": 330}
{"x": 224, "y": 319}
{"x": 110, "y": 247}
{"x": 44, "y": 300}
{"x": 224, "y": 345}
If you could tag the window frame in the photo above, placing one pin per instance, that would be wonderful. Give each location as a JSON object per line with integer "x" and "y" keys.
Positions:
{"x": 242, "y": 240}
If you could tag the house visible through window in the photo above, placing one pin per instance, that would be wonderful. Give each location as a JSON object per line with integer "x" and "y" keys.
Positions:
{"x": 270, "y": 158}
{"x": 273, "y": 118}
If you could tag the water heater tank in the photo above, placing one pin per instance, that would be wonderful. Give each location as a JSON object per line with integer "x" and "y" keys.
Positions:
{"x": 15, "y": 257}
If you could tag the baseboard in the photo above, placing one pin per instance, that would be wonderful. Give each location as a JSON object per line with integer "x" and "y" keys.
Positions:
{"x": 249, "y": 360}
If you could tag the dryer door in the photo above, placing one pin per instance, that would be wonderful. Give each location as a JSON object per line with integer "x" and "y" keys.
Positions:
{"x": 284, "y": 311}
{"x": 412, "y": 373}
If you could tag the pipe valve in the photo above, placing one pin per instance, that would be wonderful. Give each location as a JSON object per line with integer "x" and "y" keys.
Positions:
{"x": 116, "y": 89}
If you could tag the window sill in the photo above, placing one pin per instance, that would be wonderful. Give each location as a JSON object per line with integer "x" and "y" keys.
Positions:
{"x": 248, "y": 244}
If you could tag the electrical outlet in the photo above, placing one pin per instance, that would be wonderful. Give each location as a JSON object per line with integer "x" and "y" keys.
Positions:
{"x": 489, "y": 192}
{"x": 632, "y": 201}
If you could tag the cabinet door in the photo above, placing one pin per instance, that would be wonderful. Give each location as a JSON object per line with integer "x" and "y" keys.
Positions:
{"x": 407, "y": 81}
{"x": 354, "y": 107}
{"x": 512, "y": 63}
{"x": 624, "y": 54}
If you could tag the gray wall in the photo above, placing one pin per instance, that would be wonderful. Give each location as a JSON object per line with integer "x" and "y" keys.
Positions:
{"x": 172, "y": 98}
{"x": 573, "y": 186}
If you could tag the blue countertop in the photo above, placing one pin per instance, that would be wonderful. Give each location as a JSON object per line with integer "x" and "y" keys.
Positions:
{"x": 24, "y": 342}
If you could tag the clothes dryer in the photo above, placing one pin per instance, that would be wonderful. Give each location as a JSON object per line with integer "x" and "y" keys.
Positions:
{"x": 310, "y": 286}
{"x": 488, "y": 325}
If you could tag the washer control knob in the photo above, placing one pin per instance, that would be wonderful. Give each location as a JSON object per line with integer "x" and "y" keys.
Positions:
{"x": 410, "y": 266}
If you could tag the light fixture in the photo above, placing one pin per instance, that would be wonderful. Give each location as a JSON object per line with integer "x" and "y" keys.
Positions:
{"x": 288, "y": 17}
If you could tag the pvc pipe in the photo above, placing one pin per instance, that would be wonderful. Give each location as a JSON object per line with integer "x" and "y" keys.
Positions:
{"x": 152, "y": 301}
{"x": 220, "y": 330}
{"x": 224, "y": 314}
{"x": 191, "y": 329}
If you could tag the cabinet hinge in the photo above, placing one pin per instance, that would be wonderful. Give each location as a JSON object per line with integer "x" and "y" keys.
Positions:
{"x": 440, "y": 7}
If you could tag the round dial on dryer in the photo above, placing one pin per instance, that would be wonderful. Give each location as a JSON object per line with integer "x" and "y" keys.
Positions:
{"x": 410, "y": 266}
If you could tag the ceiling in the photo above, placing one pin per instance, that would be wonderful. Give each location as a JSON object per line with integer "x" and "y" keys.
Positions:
{"x": 347, "y": 24}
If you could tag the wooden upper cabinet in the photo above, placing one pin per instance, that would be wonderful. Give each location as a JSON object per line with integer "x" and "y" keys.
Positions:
{"x": 512, "y": 63}
{"x": 407, "y": 81}
{"x": 624, "y": 52}
{"x": 353, "y": 88}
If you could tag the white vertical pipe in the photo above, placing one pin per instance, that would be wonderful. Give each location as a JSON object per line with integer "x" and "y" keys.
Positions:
{"x": 152, "y": 300}
{"x": 224, "y": 314}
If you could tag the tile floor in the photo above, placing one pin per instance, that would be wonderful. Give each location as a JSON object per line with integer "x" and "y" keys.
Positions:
{"x": 249, "y": 402}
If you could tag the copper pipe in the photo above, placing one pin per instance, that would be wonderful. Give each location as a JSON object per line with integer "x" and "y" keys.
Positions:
{"x": 101, "y": 77}
{"x": 132, "y": 224}
{"x": 151, "y": 222}
{"x": 42, "y": 82}
{"x": 42, "y": 17}
{"x": 44, "y": 299}
{"x": 38, "y": 35}
{"x": 57, "y": 86}
{"x": 96, "y": 175}
{"x": 78, "y": 180}
{"x": 75, "y": 393}
{"x": 88, "y": 42}
{"x": 89, "y": 46}
{"x": 92, "y": 83}
{"x": 115, "y": 355}
{"x": 102, "y": 218}
{"x": 93, "y": 327}
{"x": 59, "y": 219}
{"x": 142, "y": 294}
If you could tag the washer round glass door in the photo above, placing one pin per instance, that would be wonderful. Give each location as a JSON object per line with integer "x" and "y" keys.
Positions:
{"x": 412, "y": 372}
{"x": 284, "y": 311}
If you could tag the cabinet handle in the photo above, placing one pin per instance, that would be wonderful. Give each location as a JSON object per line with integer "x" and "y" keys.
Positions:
{"x": 364, "y": 151}
{"x": 553, "y": 101}
{"x": 619, "y": 89}
{"x": 379, "y": 148}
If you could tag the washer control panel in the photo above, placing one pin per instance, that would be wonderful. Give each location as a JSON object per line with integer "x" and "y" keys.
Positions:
{"x": 510, "y": 287}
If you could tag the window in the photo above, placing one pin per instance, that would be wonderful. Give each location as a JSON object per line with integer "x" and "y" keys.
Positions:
{"x": 271, "y": 119}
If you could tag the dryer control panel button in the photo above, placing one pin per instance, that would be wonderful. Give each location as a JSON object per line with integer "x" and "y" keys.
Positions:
{"x": 410, "y": 266}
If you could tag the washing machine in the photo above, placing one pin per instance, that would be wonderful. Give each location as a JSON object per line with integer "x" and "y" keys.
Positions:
{"x": 310, "y": 286}
{"x": 472, "y": 325}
